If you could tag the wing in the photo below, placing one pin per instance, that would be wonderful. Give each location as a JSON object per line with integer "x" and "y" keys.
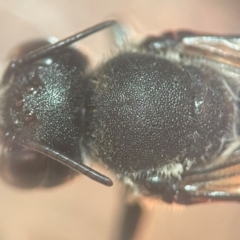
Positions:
{"x": 219, "y": 185}
{"x": 219, "y": 180}
{"x": 219, "y": 52}
{"x": 225, "y": 47}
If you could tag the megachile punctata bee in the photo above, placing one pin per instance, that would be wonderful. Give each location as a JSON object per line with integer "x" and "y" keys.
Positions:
{"x": 162, "y": 115}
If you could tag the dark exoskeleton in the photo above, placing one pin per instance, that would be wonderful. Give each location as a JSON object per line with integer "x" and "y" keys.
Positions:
{"x": 162, "y": 115}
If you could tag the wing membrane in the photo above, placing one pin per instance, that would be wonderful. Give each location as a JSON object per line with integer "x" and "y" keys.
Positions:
{"x": 219, "y": 184}
{"x": 215, "y": 50}
{"x": 219, "y": 180}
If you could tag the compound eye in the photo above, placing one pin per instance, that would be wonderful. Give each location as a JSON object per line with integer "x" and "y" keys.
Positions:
{"x": 24, "y": 168}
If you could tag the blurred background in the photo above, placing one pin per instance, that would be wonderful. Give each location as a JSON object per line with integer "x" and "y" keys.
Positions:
{"x": 83, "y": 209}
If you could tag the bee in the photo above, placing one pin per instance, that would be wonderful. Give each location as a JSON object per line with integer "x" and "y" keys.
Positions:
{"x": 162, "y": 114}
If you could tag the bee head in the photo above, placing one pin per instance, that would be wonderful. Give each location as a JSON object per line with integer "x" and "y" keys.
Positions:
{"x": 42, "y": 103}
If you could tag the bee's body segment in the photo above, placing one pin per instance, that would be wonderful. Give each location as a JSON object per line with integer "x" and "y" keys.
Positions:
{"x": 44, "y": 109}
{"x": 164, "y": 116}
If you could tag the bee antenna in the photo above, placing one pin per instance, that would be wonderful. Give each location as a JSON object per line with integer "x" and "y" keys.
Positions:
{"x": 46, "y": 50}
{"x": 78, "y": 167}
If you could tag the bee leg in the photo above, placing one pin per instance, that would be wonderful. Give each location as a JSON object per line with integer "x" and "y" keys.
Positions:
{"x": 130, "y": 223}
